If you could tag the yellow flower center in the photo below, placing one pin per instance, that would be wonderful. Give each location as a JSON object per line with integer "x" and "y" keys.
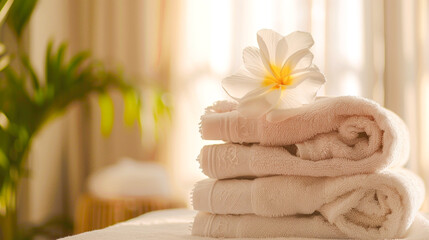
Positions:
{"x": 280, "y": 77}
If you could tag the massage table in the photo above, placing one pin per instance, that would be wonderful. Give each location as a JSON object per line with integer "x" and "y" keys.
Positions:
{"x": 175, "y": 224}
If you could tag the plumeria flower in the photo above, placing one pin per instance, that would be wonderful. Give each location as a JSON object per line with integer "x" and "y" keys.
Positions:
{"x": 278, "y": 75}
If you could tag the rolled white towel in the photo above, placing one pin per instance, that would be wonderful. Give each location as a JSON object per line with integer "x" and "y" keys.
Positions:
{"x": 379, "y": 205}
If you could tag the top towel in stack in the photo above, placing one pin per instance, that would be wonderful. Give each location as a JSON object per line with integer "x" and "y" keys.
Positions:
{"x": 332, "y": 137}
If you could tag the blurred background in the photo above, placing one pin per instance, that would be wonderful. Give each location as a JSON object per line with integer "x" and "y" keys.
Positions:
{"x": 174, "y": 53}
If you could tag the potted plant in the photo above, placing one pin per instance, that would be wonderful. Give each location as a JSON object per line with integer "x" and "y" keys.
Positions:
{"x": 27, "y": 102}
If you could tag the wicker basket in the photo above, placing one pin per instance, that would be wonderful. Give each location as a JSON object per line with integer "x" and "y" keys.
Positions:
{"x": 95, "y": 213}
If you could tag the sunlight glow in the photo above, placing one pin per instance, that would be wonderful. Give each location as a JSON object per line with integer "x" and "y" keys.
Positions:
{"x": 4, "y": 122}
{"x": 345, "y": 48}
{"x": 287, "y": 13}
{"x": 424, "y": 135}
{"x": 351, "y": 40}
{"x": 318, "y": 30}
{"x": 424, "y": 91}
{"x": 208, "y": 90}
{"x": 220, "y": 49}
{"x": 197, "y": 28}
{"x": 259, "y": 11}
{"x": 350, "y": 84}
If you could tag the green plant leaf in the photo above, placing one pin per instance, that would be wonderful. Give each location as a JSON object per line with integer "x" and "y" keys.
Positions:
{"x": 48, "y": 63}
{"x": 107, "y": 113}
{"x": 34, "y": 79}
{"x": 53, "y": 228}
{"x": 74, "y": 64}
{"x": 19, "y": 15}
{"x": 4, "y": 62}
{"x": 4, "y": 58}
{"x": 131, "y": 107}
{"x": 4, "y": 162}
{"x": 5, "y": 6}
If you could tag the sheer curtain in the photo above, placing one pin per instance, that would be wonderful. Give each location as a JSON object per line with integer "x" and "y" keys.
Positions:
{"x": 374, "y": 49}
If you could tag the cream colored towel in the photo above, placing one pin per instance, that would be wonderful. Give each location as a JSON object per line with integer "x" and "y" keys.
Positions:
{"x": 379, "y": 205}
{"x": 293, "y": 227}
{"x": 231, "y": 160}
{"x": 328, "y": 133}
{"x": 252, "y": 226}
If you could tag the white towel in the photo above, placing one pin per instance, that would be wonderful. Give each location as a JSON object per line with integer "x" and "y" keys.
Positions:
{"x": 294, "y": 228}
{"x": 331, "y": 137}
{"x": 379, "y": 205}
{"x": 252, "y": 226}
{"x": 231, "y": 160}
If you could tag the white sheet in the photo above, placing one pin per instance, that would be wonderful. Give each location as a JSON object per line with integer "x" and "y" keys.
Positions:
{"x": 176, "y": 225}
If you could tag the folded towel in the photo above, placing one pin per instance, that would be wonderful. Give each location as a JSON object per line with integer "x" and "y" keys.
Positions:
{"x": 252, "y": 226}
{"x": 231, "y": 160}
{"x": 328, "y": 133}
{"x": 292, "y": 227}
{"x": 379, "y": 205}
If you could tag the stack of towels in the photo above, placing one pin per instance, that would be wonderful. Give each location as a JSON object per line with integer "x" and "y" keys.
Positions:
{"x": 332, "y": 170}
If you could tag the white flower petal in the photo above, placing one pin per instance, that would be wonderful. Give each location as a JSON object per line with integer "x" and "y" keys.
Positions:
{"x": 278, "y": 115}
{"x": 297, "y": 41}
{"x": 311, "y": 68}
{"x": 315, "y": 77}
{"x": 286, "y": 59}
{"x": 292, "y": 100}
{"x": 257, "y": 92}
{"x": 289, "y": 99}
{"x": 240, "y": 83}
{"x": 281, "y": 52}
{"x": 267, "y": 41}
{"x": 303, "y": 93}
{"x": 299, "y": 60}
{"x": 258, "y": 102}
{"x": 253, "y": 61}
